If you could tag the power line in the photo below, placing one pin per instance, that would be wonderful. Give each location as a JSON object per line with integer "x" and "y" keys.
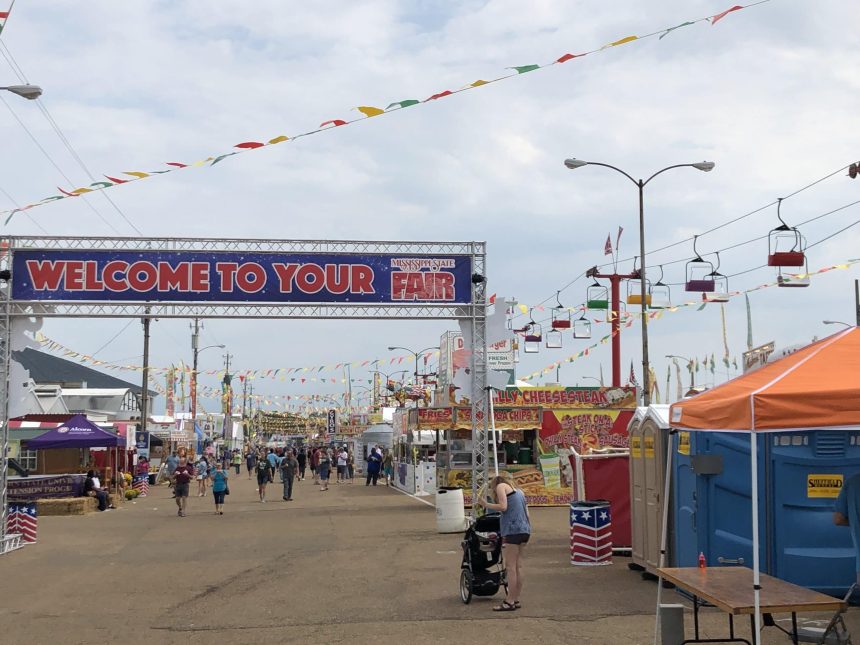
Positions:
{"x": 114, "y": 337}
{"x": 54, "y": 163}
{"x": 43, "y": 108}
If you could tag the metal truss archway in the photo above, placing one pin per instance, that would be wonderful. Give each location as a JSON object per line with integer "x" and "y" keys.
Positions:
{"x": 64, "y": 277}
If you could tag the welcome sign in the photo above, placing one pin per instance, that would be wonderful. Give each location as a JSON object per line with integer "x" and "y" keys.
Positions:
{"x": 171, "y": 276}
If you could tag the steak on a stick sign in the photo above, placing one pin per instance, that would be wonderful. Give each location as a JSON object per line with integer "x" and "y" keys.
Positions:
{"x": 182, "y": 276}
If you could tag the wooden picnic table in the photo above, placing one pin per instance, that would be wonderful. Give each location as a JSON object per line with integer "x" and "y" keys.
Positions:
{"x": 731, "y": 590}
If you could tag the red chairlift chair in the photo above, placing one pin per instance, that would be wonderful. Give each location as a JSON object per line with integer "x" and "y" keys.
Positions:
{"x": 560, "y": 316}
{"x": 533, "y": 336}
{"x": 699, "y": 273}
{"x": 786, "y": 246}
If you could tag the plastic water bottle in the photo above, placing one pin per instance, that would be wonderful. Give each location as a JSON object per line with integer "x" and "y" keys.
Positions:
{"x": 702, "y": 563}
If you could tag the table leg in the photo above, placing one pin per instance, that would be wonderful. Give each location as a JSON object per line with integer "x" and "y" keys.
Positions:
{"x": 752, "y": 629}
{"x": 696, "y": 615}
{"x": 731, "y": 626}
{"x": 794, "y": 636}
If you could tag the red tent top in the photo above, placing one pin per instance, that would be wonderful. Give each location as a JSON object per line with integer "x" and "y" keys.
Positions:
{"x": 815, "y": 387}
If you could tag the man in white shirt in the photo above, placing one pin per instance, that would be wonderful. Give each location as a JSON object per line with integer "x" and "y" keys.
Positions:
{"x": 342, "y": 457}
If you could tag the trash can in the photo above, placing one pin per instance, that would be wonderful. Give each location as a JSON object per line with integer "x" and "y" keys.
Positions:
{"x": 590, "y": 533}
{"x": 141, "y": 483}
{"x": 524, "y": 456}
{"x": 450, "y": 515}
{"x": 23, "y": 519}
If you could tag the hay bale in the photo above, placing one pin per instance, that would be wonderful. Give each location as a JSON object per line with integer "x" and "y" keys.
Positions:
{"x": 66, "y": 506}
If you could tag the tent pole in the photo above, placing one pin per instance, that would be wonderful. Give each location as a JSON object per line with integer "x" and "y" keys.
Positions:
{"x": 755, "y": 534}
{"x": 664, "y": 537}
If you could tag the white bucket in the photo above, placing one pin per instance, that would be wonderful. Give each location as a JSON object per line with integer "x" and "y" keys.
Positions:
{"x": 450, "y": 515}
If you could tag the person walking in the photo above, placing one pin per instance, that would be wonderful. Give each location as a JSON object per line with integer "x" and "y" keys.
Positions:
{"x": 289, "y": 469}
{"x": 202, "y": 469}
{"x": 515, "y": 531}
{"x": 341, "y": 465}
{"x": 350, "y": 466}
{"x": 374, "y": 464}
{"x": 219, "y": 487}
{"x": 388, "y": 466}
{"x": 302, "y": 458}
{"x": 250, "y": 462}
{"x": 237, "y": 460}
{"x": 324, "y": 468}
{"x": 182, "y": 477}
{"x": 272, "y": 459}
{"x": 315, "y": 461}
{"x": 263, "y": 477}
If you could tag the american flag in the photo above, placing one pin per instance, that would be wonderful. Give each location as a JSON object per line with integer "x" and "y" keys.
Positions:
{"x": 141, "y": 483}
{"x": 590, "y": 534}
{"x": 415, "y": 391}
{"x": 26, "y": 520}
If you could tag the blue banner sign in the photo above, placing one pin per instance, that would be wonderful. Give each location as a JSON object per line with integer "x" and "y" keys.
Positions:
{"x": 193, "y": 276}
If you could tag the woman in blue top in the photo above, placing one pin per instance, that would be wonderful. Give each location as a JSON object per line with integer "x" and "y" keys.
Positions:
{"x": 219, "y": 487}
{"x": 515, "y": 529}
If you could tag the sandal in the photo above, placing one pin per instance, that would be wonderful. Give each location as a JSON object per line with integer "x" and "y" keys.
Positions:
{"x": 517, "y": 604}
{"x": 505, "y": 606}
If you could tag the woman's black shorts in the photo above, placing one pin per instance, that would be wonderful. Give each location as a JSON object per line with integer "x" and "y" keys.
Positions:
{"x": 516, "y": 538}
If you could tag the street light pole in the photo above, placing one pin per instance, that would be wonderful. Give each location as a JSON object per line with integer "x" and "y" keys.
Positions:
{"x": 416, "y": 355}
{"x": 689, "y": 367}
{"x": 704, "y": 166}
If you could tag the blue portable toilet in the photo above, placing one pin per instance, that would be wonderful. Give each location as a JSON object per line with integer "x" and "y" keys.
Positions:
{"x": 800, "y": 474}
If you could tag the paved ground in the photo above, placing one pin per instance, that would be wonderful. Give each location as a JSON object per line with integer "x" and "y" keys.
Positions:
{"x": 352, "y": 565}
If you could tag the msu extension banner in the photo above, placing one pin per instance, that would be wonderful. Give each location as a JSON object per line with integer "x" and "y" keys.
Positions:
{"x": 194, "y": 276}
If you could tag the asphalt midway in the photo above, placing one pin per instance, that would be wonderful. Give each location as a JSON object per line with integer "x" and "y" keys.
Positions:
{"x": 354, "y": 564}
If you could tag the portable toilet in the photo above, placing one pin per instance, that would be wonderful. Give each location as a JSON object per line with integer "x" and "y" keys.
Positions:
{"x": 800, "y": 475}
{"x": 648, "y": 445}
{"x": 637, "y": 490}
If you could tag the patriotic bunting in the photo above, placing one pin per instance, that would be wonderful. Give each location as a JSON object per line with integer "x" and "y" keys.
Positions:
{"x": 365, "y": 110}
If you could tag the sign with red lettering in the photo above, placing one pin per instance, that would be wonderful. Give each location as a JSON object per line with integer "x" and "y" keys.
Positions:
{"x": 170, "y": 276}
{"x": 435, "y": 418}
{"x": 568, "y": 397}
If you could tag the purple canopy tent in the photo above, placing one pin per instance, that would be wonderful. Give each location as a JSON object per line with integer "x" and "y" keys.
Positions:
{"x": 77, "y": 432}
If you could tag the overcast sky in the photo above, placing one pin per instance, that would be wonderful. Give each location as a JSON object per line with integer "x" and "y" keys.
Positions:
{"x": 768, "y": 93}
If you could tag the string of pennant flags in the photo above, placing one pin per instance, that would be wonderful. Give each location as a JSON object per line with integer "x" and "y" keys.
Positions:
{"x": 302, "y": 375}
{"x": 366, "y": 112}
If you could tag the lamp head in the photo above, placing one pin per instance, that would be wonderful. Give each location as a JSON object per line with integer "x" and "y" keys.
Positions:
{"x": 573, "y": 164}
{"x": 29, "y": 92}
{"x": 391, "y": 349}
{"x": 704, "y": 166}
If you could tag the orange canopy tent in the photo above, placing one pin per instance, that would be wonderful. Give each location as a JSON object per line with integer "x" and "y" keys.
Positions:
{"x": 814, "y": 388}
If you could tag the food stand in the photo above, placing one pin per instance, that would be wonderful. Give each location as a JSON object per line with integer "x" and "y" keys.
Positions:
{"x": 536, "y": 429}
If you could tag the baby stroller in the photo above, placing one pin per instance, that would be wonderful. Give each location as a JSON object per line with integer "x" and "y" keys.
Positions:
{"x": 482, "y": 571}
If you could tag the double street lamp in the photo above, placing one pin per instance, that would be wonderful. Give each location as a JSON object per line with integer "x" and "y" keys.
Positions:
{"x": 415, "y": 354}
{"x": 704, "y": 166}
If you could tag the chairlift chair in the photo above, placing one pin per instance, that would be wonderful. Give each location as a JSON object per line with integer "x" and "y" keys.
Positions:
{"x": 786, "y": 246}
{"x": 582, "y": 327}
{"x": 560, "y": 316}
{"x": 661, "y": 294}
{"x": 793, "y": 280}
{"x": 533, "y": 336}
{"x": 699, "y": 273}
{"x": 720, "y": 292}
{"x": 554, "y": 339}
{"x": 634, "y": 292}
{"x": 597, "y": 296}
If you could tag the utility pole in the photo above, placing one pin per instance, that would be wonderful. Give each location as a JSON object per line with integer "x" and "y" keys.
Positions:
{"x": 144, "y": 394}
{"x": 195, "y": 336}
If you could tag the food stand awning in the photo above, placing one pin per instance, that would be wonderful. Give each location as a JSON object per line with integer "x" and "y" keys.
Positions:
{"x": 77, "y": 432}
{"x": 816, "y": 387}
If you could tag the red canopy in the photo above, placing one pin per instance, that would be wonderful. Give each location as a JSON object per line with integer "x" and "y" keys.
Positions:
{"x": 815, "y": 387}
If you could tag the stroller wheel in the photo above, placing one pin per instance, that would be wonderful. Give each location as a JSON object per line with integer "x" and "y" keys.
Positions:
{"x": 465, "y": 586}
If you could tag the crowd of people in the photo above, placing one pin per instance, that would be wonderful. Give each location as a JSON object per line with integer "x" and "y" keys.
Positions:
{"x": 289, "y": 464}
